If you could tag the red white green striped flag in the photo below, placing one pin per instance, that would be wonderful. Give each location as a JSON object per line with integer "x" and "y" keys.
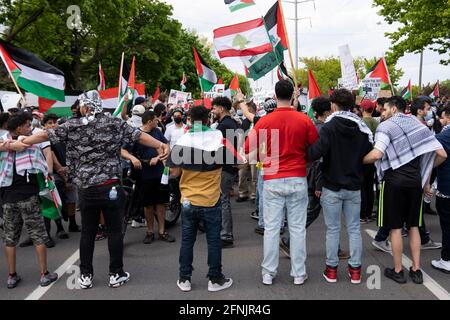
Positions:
{"x": 235, "y": 5}
{"x": 407, "y": 93}
{"x": 435, "y": 94}
{"x": 32, "y": 74}
{"x": 245, "y": 39}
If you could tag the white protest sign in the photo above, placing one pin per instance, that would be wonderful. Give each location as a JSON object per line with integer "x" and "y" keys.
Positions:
{"x": 370, "y": 88}
{"x": 349, "y": 77}
{"x": 179, "y": 98}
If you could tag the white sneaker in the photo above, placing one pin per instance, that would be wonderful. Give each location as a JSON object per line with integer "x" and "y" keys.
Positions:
{"x": 267, "y": 279}
{"x": 184, "y": 286}
{"x": 118, "y": 280}
{"x": 219, "y": 285}
{"x": 441, "y": 265}
{"x": 300, "y": 280}
{"x": 137, "y": 224}
{"x": 85, "y": 281}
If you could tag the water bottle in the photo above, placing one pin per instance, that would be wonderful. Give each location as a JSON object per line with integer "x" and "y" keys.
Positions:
{"x": 186, "y": 203}
{"x": 113, "y": 194}
{"x": 165, "y": 176}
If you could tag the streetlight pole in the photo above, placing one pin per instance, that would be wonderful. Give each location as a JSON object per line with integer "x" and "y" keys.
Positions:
{"x": 421, "y": 70}
{"x": 296, "y": 20}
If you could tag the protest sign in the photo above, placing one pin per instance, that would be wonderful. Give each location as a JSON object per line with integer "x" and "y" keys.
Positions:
{"x": 349, "y": 77}
{"x": 179, "y": 98}
{"x": 370, "y": 88}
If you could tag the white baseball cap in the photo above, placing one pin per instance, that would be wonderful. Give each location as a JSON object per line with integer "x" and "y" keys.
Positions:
{"x": 138, "y": 110}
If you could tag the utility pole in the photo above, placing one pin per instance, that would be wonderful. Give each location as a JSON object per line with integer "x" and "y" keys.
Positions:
{"x": 421, "y": 70}
{"x": 296, "y": 3}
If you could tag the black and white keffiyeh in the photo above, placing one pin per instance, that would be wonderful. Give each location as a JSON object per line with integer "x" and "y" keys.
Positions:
{"x": 353, "y": 117}
{"x": 402, "y": 139}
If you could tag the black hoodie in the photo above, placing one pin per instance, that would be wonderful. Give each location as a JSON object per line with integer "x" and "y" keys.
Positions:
{"x": 343, "y": 147}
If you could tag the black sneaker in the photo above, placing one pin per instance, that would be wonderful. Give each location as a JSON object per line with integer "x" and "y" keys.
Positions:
{"x": 227, "y": 244}
{"x": 416, "y": 276}
{"x": 74, "y": 228}
{"x": 149, "y": 238}
{"x": 241, "y": 199}
{"x": 254, "y": 215}
{"x": 166, "y": 237}
{"x": 62, "y": 235}
{"x": 397, "y": 277}
{"x": 259, "y": 230}
{"x": 220, "y": 284}
{"x": 50, "y": 243}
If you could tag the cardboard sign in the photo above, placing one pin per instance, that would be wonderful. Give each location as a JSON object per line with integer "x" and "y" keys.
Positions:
{"x": 179, "y": 98}
{"x": 370, "y": 88}
{"x": 349, "y": 78}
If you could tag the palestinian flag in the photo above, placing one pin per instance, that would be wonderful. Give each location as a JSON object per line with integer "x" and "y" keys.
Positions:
{"x": 380, "y": 70}
{"x": 32, "y": 74}
{"x": 407, "y": 93}
{"x": 236, "y": 5}
{"x": 60, "y": 108}
{"x": 283, "y": 74}
{"x": 200, "y": 144}
{"x": 128, "y": 93}
{"x": 123, "y": 81}
{"x": 313, "y": 93}
{"x": 51, "y": 203}
{"x": 110, "y": 99}
{"x": 435, "y": 94}
{"x": 206, "y": 75}
{"x": 102, "y": 84}
{"x": 234, "y": 85}
{"x": 260, "y": 65}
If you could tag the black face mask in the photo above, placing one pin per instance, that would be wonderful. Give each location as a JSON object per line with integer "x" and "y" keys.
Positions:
{"x": 178, "y": 120}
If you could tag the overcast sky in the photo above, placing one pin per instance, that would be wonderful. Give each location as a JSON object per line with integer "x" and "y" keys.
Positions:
{"x": 334, "y": 23}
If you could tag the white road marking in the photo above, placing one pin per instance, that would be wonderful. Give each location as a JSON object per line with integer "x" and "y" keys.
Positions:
{"x": 39, "y": 292}
{"x": 428, "y": 282}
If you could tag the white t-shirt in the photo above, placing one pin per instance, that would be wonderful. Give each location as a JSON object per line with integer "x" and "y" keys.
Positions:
{"x": 42, "y": 145}
{"x": 173, "y": 133}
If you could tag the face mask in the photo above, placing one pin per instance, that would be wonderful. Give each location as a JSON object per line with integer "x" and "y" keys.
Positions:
{"x": 239, "y": 113}
{"x": 35, "y": 123}
{"x": 178, "y": 120}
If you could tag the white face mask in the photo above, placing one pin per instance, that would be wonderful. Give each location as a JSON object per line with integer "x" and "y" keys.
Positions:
{"x": 239, "y": 113}
{"x": 35, "y": 123}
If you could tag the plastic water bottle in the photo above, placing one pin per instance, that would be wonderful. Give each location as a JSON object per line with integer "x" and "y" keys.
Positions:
{"x": 113, "y": 194}
{"x": 186, "y": 203}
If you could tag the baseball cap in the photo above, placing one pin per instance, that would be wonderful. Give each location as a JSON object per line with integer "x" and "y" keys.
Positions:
{"x": 367, "y": 105}
{"x": 138, "y": 110}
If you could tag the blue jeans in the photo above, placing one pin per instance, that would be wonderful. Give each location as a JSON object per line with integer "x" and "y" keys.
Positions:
{"x": 190, "y": 217}
{"x": 292, "y": 194}
{"x": 334, "y": 204}
{"x": 260, "y": 197}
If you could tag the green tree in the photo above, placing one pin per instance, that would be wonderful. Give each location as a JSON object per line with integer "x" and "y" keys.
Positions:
{"x": 423, "y": 23}
{"x": 327, "y": 71}
{"x": 141, "y": 28}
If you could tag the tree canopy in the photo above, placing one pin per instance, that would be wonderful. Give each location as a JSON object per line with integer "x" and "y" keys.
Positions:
{"x": 141, "y": 28}
{"x": 327, "y": 71}
{"x": 423, "y": 23}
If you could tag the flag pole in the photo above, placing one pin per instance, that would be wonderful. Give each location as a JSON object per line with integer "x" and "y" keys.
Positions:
{"x": 16, "y": 85}
{"x": 120, "y": 75}
{"x": 289, "y": 47}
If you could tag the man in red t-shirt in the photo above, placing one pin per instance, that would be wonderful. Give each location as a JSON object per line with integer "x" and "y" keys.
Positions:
{"x": 283, "y": 138}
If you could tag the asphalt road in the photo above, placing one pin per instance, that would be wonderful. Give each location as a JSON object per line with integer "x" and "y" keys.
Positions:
{"x": 154, "y": 270}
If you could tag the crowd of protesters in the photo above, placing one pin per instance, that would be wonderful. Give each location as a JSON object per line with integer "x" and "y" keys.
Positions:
{"x": 370, "y": 161}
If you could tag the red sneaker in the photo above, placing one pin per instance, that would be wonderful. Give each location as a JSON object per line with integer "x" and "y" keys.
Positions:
{"x": 330, "y": 274}
{"x": 354, "y": 274}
